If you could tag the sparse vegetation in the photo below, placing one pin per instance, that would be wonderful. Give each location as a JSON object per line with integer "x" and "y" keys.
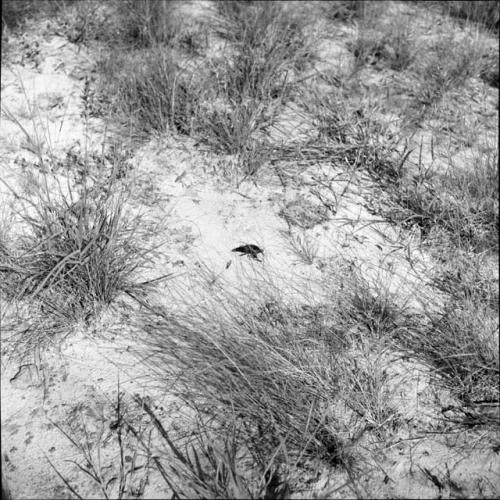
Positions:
{"x": 344, "y": 10}
{"x": 307, "y": 371}
{"x": 376, "y": 44}
{"x": 76, "y": 250}
{"x": 148, "y": 23}
{"x": 484, "y": 12}
{"x": 462, "y": 203}
{"x": 303, "y": 246}
{"x": 158, "y": 95}
{"x": 241, "y": 374}
{"x": 15, "y": 12}
{"x": 269, "y": 43}
{"x": 438, "y": 72}
{"x": 245, "y": 86}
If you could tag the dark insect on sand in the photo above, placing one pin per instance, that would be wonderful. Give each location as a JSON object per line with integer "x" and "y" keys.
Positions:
{"x": 251, "y": 250}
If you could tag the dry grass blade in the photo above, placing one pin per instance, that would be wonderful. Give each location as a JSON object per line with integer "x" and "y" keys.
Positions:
{"x": 64, "y": 480}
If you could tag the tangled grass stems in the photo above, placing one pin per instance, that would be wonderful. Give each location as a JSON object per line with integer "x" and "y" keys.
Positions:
{"x": 158, "y": 95}
{"x": 211, "y": 464}
{"x": 251, "y": 358}
{"x": 73, "y": 249}
{"x": 458, "y": 343}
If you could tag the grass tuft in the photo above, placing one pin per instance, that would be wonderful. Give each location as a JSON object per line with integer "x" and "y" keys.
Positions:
{"x": 151, "y": 90}
{"x": 447, "y": 64}
{"x": 462, "y": 203}
{"x": 75, "y": 250}
{"x": 484, "y": 12}
{"x": 269, "y": 368}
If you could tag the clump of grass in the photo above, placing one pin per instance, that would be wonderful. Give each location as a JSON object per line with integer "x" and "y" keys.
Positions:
{"x": 147, "y": 23}
{"x": 466, "y": 278}
{"x": 304, "y": 246}
{"x": 245, "y": 88}
{"x": 336, "y": 121}
{"x": 253, "y": 79}
{"x": 351, "y": 134}
{"x": 269, "y": 381}
{"x": 233, "y": 129}
{"x": 374, "y": 309}
{"x": 445, "y": 65}
{"x": 346, "y": 10}
{"x": 77, "y": 250}
{"x": 141, "y": 81}
{"x": 239, "y": 129}
{"x": 489, "y": 71}
{"x": 86, "y": 238}
{"x": 15, "y": 12}
{"x": 250, "y": 77}
{"x": 462, "y": 344}
{"x": 394, "y": 47}
{"x": 269, "y": 368}
{"x": 211, "y": 464}
{"x": 469, "y": 330}
{"x": 205, "y": 465}
{"x": 484, "y": 12}
{"x": 268, "y": 42}
{"x": 461, "y": 202}
{"x": 257, "y": 23}
{"x": 459, "y": 343}
{"x": 152, "y": 90}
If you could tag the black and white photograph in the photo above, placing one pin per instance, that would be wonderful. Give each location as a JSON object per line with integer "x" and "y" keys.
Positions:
{"x": 249, "y": 249}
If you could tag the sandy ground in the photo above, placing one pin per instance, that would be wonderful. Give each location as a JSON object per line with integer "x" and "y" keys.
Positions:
{"x": 75, "y": 385}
